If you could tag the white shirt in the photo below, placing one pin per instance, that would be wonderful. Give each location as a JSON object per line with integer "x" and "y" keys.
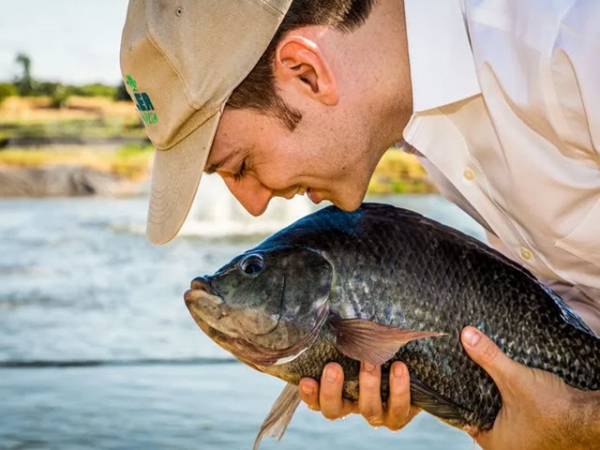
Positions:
{"x": 506, "y": 96}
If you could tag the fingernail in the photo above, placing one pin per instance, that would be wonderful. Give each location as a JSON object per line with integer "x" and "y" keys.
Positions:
{"x": 368, "y": 367}
{"x": 398, "y": 371}
{"x": 331, "y": 374}
{"x": 471, "y": 336}
{"x": 308, "y": 390}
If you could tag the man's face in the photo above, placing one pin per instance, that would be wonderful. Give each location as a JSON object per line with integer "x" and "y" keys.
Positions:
{"x": 353, "y": 92}
{"x": 259, "y": 158}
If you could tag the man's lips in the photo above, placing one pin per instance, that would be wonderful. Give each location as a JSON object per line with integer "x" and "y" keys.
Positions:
{"x": 314, "y": 197}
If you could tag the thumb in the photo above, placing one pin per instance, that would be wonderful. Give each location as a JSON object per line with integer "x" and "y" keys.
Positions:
{"x": 485, "y": 353}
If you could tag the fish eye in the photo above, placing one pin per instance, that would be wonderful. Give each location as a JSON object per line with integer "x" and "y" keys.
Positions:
{"x": 252, "y": 264}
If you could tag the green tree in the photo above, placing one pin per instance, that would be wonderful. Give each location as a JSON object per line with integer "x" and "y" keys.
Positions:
{"x": 94, "y": 90}
{"x": 122, "y": 93}
{"x": 59, "y": 97}
{"x": 24, "y": 84}
{"x": 46, "y": 88}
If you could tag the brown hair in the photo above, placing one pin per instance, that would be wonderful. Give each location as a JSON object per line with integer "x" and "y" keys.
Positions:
{"x": 258, "y": 91}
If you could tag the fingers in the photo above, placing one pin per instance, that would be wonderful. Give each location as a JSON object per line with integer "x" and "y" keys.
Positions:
{"x": 309, "y": 393}
{"x": 399, "y": 410}
{"x": 330, "y": 401}
{"x": 333, "y": 405}
{"x": 327, "y": 397}
{"x": 485, "y": 353}
{"x": 369, "y": 396}
{"x": 330, "y": 397}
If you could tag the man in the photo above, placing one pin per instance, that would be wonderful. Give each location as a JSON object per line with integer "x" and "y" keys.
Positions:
{"x": 498, "y": 98}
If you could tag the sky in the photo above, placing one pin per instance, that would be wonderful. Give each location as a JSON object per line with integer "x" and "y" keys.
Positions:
{"x": 68, "y": 41}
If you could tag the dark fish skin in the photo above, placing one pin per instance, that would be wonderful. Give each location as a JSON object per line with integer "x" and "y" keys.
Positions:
{"x": 402, "y": 271}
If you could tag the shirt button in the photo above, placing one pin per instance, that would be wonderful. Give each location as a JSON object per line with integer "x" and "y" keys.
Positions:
{"x": 469, "y": 174}
{"x": 526, "y": 254}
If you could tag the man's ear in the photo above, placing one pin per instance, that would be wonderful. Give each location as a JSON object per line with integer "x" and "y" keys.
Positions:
{"x": 300, "y": 65}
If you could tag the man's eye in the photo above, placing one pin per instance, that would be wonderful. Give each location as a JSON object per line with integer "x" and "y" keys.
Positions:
{"x": 241, "y": 172}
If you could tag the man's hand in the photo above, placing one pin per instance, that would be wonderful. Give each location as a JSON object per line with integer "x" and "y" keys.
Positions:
{"x": 539, "y": 411}
{"x": 327, "y": 398}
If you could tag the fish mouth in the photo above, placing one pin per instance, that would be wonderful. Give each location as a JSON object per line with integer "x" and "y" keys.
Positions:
{"x": 220, "y": 322}
{"x": 208, "y": 307}
{"x": 202, "y": 290}
{"x": 204, "y": 303}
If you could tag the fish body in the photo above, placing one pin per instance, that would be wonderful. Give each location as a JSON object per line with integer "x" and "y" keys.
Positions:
{"x": 383, "y": 284}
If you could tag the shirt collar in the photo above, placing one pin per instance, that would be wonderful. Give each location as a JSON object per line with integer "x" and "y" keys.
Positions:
{"x": 441, "y": 60}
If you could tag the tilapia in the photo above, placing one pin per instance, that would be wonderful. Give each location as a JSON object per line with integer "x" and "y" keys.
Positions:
{"x": 383, "y": 284}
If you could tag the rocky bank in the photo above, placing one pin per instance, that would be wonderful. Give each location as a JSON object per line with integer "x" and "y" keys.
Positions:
{"x": 64, "y": 180}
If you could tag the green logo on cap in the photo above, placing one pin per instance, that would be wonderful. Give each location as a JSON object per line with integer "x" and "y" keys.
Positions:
{"x": 143, "y": 103}
{"x": 131, "y": 82}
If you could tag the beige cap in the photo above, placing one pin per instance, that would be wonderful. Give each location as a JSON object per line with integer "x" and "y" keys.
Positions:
{"x": 180, "y": 61}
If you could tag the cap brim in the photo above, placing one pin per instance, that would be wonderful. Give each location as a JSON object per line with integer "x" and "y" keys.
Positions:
{"x": 176, "y": 174}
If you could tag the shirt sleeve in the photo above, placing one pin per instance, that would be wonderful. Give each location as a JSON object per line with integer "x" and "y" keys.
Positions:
{"x": 584, "y": 300}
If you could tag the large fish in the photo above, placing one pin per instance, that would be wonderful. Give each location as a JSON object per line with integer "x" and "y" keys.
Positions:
{"x": 383, "y": 284}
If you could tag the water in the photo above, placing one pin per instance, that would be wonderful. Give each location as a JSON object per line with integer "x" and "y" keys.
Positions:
{"x": 97, "y": 349}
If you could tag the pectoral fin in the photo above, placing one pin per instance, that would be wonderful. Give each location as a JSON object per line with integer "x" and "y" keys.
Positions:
{"x": 371, "y": 342}
{"x": 280, "y": 416}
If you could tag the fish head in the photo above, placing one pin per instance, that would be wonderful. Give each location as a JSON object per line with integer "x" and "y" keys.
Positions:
{"x": 265, "y": 306}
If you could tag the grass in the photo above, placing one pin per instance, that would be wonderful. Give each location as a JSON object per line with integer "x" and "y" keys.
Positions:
{"x": 74, "y": 128}
{"x": 102, "y": 118}
{"x": 131, "y": 161}
{"x": 27, "y": 110}
{"x": 84, "y": 119}
{"x": 399, "y": 173}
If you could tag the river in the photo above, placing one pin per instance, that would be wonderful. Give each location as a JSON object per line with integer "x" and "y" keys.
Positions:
{"x": 97, "y": 349}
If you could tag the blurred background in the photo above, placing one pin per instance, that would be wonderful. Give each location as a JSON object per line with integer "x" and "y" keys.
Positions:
{"x": 97, "y": 349}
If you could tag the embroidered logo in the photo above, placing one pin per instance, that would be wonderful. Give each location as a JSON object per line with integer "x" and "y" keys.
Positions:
{"x": 131, "y": 82}
{"x": 143, "y": 103}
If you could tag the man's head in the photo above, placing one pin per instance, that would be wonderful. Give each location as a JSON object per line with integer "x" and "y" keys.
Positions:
{"x": 326, "y": 95}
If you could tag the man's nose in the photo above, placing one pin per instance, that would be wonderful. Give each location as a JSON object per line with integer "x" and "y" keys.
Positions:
{"x": 251, "y": 193}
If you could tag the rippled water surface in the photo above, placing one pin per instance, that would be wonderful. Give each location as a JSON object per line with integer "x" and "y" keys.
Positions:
{"x": 97, "y": 349}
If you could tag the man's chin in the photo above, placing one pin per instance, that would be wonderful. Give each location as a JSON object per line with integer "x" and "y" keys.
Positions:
{"x": 348, "y": 205}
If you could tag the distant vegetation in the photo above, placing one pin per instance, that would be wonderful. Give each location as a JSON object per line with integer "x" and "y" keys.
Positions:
{"x": 7, "y": 90}
{"x": 130, "y": 160}
{"x": 96, "y": 126}
{"x": 400, "y": 173}
{"x": 45, "y": 123}
{"x": 26, "y": 85}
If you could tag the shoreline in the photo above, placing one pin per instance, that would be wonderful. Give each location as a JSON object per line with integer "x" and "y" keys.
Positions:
{"x": 108, "y": 170}
{"x": 97, "y": 146}
{"x": 61, "y": 180}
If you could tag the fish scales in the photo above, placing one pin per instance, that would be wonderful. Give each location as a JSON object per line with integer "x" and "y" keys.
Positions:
{"x": 456, "y": 277}
{"x": 400, "y": 270}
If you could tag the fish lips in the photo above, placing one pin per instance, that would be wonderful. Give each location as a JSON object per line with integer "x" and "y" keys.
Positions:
{"x": 207, "y": 307}
{"x": 204, "y": 303}
{"x": 201, "y": 290}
